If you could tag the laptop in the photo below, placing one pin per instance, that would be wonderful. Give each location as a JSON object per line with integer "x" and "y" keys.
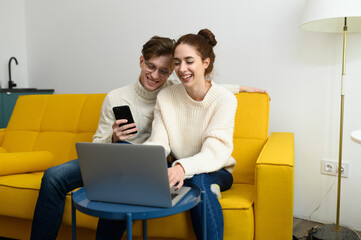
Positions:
{"x": 127, "y": 173}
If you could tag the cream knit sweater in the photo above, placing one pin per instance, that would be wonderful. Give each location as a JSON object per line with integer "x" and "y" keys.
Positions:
{"x": 141, "y": 103}
{"x": 197, "y": 133}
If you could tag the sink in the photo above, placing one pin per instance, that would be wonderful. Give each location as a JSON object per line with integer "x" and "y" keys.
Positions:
{"x": 18, "y": 90}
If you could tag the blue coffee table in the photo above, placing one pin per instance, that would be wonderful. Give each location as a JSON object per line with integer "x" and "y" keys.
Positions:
{"x": 129, "y": 213}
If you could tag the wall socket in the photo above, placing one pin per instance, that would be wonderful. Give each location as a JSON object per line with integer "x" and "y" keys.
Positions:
{"x": 330, "y": 167}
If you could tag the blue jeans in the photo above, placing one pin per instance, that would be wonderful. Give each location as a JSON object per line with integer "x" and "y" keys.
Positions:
{"x": 113, "y": 229}
{"x": 56, "y": 183}
{"x": 214, "y": 214}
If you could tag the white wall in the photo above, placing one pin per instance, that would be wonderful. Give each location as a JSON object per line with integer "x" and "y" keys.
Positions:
{"x": 89, "y": 46}
{"x": 13, "y": 42}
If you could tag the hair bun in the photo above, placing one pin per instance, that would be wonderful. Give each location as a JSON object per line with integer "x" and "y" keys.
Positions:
{"x": 209, "y": 36}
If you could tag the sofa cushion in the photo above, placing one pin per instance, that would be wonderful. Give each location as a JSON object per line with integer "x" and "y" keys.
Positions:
{"x": 58, "y": 143}
{"x": 245, "y": 151}
{"x": 28, "y": 113}
{"x": 52, "y": 123}
{"x": 21, "y": 191}
{"x": 240, "y": 196}
{"x": 250, "y": 134}
{"x": 19, "y": 140}
{"x": 23, "y": 162}
{"x": 237, "y": 205}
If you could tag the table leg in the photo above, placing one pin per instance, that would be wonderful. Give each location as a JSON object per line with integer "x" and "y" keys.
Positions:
{"x": 144, "y": 229}
{"x": 204, "y": 220}
{"x": 129, "y": 226}
{"x": 73, "y": 218}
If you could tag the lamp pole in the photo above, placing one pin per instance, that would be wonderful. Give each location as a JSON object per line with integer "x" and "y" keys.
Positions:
{"x": 341, "y": 125}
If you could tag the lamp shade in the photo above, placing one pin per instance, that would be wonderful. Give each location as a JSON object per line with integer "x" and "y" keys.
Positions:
{"x": 356, "y": 136}
{"x": 329, "y": 15}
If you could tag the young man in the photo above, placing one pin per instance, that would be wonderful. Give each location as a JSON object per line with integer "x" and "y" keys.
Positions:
{"x": 156, "y": 66}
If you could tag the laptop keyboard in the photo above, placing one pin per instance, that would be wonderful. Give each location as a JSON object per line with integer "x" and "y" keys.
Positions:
{"x": 173, "y": 195}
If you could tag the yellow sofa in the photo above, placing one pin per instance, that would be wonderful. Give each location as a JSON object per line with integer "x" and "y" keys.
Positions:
{"x": 43, "y": 130}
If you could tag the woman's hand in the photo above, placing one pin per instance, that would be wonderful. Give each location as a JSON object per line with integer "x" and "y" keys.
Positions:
{"x": 176, "y": 175}
{"x": 124, "y": 132}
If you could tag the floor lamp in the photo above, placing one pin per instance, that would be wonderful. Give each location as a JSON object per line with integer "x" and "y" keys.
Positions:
{"x": 335, "y": 16}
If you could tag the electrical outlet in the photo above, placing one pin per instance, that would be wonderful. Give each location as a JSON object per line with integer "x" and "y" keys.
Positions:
{"x": 330, "y": 167}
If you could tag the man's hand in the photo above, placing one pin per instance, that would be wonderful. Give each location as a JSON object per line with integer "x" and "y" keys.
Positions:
{"x": 252, "y": 90}
{"x": 176, "y": 175}
{"x": 124, "y": 132}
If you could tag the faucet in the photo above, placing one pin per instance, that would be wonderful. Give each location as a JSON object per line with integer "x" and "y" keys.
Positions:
{"x": 11, "y": 83}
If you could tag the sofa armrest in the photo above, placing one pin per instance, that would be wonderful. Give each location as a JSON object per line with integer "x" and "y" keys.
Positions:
{"x": 23, "y": 162}
{"x": 2, "y": 134}
{"x": 274, "y": 188}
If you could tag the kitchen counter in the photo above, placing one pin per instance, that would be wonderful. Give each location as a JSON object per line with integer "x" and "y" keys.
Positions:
{"x": 25, "y": 90}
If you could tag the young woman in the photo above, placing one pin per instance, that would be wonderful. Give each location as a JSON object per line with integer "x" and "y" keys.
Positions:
{"x": 194, "y": 122}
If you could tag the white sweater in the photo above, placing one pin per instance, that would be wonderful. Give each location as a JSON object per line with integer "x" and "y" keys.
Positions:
{"x": 141, "y": 103}
{"x": 197, "y": 133}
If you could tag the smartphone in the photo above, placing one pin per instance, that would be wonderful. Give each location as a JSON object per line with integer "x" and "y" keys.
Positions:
{"x": 123, "y": 112}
